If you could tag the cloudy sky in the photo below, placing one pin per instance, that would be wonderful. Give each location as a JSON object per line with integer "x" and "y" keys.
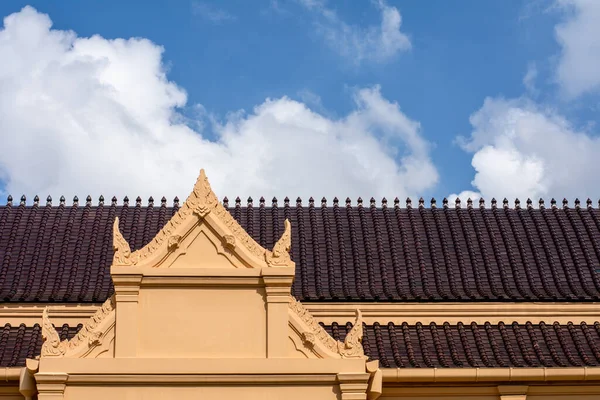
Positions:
{"x": 301, "y": 98}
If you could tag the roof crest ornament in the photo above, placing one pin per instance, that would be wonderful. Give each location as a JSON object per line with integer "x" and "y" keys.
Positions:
{"x": 88, "y": 337}
{"x": 352, "y": 345}
{"x": 200, "y": 203}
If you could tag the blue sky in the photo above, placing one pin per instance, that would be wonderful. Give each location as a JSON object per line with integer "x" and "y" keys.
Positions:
{"x": 233, "y": 55}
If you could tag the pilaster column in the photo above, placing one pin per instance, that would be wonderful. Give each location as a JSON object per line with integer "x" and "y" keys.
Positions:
{"x": 51, "y": 386}
{"x": 278, "y": 284}
{"x": 353, "y": 385}
{"x": 512, "y": 392}
{"x": 127, "y": 290}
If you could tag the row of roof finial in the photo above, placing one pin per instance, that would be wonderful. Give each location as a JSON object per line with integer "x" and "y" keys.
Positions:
{"x": 311, "y": 201}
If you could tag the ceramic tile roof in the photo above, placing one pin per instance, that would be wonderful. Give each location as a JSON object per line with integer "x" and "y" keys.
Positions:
{"x": 17, "y": 343}
{"x": 343, "y": 251}
{"x": 414, "y": 346}
{"x": 482, "y": 346}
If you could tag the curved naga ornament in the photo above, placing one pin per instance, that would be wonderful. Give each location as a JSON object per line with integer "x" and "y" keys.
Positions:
{"x": 52, "y": 346}
{"x": 200, "y": 203}
{"x": 87, "y": 337}
{"x": 352, "y": 345}
{"x": 280, "y": 256}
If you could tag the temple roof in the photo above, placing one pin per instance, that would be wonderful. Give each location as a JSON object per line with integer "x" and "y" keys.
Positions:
{"x": 343, "y": 251}
{"x": 413, "y": 346}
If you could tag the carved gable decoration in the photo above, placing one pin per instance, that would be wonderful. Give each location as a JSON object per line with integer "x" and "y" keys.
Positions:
{"x": 202, "y": 234}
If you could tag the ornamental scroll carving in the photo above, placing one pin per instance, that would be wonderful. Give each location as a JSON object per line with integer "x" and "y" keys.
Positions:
{"x": 350, "y": 348}
{"x": 91, "y": 335}
{"x": 199, "y": 204}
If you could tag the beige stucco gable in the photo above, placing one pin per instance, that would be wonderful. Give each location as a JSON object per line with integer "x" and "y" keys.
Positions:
{"x": 203, "y": 293}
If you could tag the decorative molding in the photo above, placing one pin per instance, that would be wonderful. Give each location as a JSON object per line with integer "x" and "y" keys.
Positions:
{"x": 350, "y": 348}
{"x": 94, "y": 338}
{"x": 453, "y": 313}
{"x": 201, "y": 204}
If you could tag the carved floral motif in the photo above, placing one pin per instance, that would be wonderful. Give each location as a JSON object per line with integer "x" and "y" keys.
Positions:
{"x": 350, "y": 348}
{"x": 201, "y": 202}
{"x": 52, "y": 346}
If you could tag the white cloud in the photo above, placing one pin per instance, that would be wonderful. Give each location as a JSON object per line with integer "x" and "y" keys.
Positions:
{"x": 358, "y": 44}
{"x": 523, "y": 150}
{"x": 578, "y": 69}
{"x": 529, "y": 79}
{"x": 90, "y": 115}
{"x": 211, "y": 13}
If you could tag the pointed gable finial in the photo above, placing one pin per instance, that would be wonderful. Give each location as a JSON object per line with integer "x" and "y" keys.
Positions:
{"x": 384, "y": 203}
{"x": 298, "y": 202}
{"x": 408, "y": 202}
{"x": 421, "y": 202}
{"x": 9, "y": 200}
{"x": 348, "y": 202}
{"x": 469, "y": 203}
{"x": 577, "y": 203}
{"x": 336, "y": 201}
{"x": 23, "y": 200}
{"x": 176, "y": 202}
{"x": 457, "y": 202}
{"x": 565, "y": 203}
{"x": 541, "y": 203}
{"x": 225, "y": 202}
{"x": 113, "y": 201}
{"x": 553, "y": 203}
{"x": 249, "y": 202}
{"x": 529, "y": 204}
{"x": 311, "y": 201}
{"x": 88, "y": 200}
{"x": 481, "y": 203}
{"x": 36, "y": 200}
{"x": 75, "y": 201}
{"x": 494, "y": 203}
{"x": 517, "y": 203}
{"x": 588, "y": 203}
{"x": 505, "y": 203}
{"x": 138, "y": 201}
{"x": 323, "y": 202}
{"x": 286, "y": 201}
{"x": 150, "y": 201}
{"x": 274, "y": 202}
{"x": 101, "y": 200}
{"x": 49, "y": 200}
{"x": 62, "y": 200}
{"x": 372, "y": 202}
{"x": 163, "y": 201}
{"x": 433, "y": 202}
{"x": 261, "y": 201}
{"x": 125, "y": 201}
{"x": 359, "y": 201}
{"x": 445, "y": 202}
{"x": 396, "y": 202}
{"x": 122, "y": 255}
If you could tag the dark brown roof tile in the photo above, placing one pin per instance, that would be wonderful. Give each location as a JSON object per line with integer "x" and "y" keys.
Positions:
{"x": 351, "y": 253}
